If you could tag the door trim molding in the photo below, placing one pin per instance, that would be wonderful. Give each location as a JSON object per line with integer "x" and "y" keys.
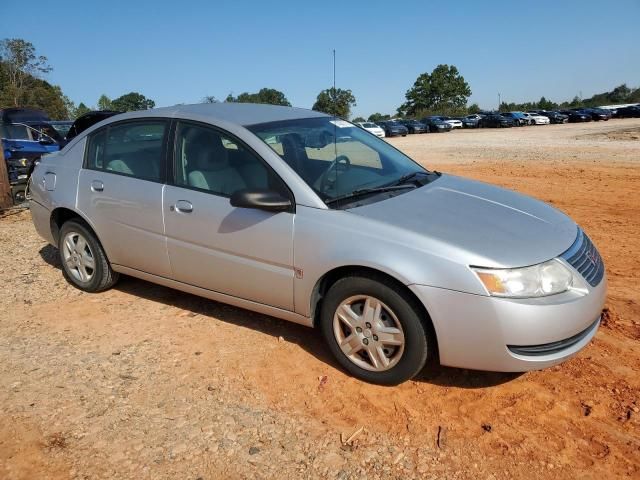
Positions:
{"x": 216, "y": 296}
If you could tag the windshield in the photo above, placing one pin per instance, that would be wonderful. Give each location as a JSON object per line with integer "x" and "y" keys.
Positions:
{"x": 334, "y": 157}
{"x": 62, "y": 127}
{"x": 370, "y": 125}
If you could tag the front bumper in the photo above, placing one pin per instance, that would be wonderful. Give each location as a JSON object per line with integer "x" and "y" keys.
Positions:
{"x": 497, "y": 334}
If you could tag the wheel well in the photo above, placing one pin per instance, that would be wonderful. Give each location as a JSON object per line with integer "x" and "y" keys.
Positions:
{"x": 59, "y": 216}
{"x": 328, "y": 279}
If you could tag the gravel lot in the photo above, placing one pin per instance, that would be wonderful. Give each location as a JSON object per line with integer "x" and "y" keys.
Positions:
{"x": 145, "y": 382}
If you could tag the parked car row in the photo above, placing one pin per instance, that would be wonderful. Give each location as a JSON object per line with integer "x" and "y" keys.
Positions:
{"x": 441, "y": 123}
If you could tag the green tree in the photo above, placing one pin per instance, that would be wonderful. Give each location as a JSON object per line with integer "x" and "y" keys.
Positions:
{"x": 36, "y": 93}
{"x": 209, "y": 99}
{"x": 269, "y": 96}
{"x": 69, "y": 106}
{"x": 22, "y": 64}
{"x": 104, "y": 103}
{"x": 378, "y": 117}
{"x": 132, "y": 101}
{"x": 443, "y": 90}
{"x": 358, "y": 120}
{"x": 335, "y": 101}
{"x": 473, "y": 108}
{"x": 544, "y": 104}
{"x": 81, "y": 110}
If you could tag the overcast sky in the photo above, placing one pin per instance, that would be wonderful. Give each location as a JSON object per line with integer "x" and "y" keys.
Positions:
{"x": 180, "y": 51}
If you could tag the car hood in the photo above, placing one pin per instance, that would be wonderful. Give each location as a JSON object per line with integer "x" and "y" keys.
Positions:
{"x": 474, "y": 223}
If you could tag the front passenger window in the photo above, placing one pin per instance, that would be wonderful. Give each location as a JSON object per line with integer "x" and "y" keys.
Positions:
{"x": 211, "y": 161}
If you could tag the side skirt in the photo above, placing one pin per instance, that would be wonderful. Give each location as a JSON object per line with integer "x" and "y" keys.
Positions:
{"x": 218, "y": 297}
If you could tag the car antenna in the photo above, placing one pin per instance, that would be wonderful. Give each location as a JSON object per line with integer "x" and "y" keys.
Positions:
{"x": 335, "y": 123}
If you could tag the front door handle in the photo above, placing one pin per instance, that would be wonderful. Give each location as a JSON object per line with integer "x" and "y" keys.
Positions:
{"x": 97, "y": 186}
{"x": 184, "y": 206}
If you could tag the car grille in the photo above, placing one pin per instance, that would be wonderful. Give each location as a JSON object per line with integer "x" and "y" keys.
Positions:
{"x": 553, "y": 347}
{"x": 584, "y": 257}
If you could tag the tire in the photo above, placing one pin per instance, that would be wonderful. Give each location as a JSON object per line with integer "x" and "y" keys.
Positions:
{"x": 399, "y": 320}
{"x": 19, "y": 197}
{"x": 77, "y": 245}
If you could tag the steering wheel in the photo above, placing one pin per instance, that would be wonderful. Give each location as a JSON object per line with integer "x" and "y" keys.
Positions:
{"x": 325, "y": 181}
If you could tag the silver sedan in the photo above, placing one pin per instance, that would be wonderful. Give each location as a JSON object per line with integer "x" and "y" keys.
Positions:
{"x": 306, "y": 217}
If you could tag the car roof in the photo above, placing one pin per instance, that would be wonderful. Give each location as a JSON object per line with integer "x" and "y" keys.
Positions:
{"x": 20, "y": 115}
{"x": 239, "y": 113}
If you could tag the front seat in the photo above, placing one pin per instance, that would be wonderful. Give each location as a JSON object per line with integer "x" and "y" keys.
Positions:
{"x": 208, "y": 164}
{"x": 294, "y": 153}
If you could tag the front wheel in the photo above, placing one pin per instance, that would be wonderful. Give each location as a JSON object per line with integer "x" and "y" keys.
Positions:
{"x": 84, "y": 262}
{"x": 375, "y": 330}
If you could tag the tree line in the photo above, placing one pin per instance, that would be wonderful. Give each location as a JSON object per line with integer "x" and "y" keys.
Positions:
{"x": 442, "y": 91}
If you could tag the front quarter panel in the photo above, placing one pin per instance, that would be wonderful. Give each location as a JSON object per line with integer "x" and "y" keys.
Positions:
{"x": 329, "y": 239}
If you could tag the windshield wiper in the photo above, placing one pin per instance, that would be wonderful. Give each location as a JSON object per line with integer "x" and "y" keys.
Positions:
{"x": 365, "y": 191}
{"x": 411, "y": 176}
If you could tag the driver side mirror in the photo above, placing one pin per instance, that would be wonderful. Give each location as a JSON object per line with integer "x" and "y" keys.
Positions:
{"x": 268, "y": 200}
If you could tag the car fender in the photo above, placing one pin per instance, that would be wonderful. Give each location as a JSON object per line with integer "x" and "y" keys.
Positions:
{"x": 325, "y": 240}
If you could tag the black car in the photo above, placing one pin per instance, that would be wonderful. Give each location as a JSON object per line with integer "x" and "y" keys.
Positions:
{"x": 414, "y": 126}
{"x": 471, "y": 121}
{"x": 87, "y": 120}
{"x": 393, "y": 128}
{"x": 575, "y": 116}
{"x": 519, "y": 120}
{"x": 596, "y": 113}
{"x": 553, "y": 116}
{"x": 495, "y": 120}
{"x": 629, "y": 112}
{"x": 436, "y": 125}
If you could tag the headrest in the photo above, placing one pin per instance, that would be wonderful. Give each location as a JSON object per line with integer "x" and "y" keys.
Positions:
{"x": 204, "y": 150}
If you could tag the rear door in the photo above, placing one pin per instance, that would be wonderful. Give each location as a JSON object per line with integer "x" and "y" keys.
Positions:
{"x": 246, "y": 253}
{"x": 120, "y": 192}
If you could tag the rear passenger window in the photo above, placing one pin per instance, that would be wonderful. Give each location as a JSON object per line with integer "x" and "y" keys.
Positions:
{"x": 133, "y": 148}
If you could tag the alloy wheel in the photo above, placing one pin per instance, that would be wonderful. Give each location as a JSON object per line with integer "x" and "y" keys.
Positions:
{"x": 78, "y": 257}
{"x": 369, "y": 333}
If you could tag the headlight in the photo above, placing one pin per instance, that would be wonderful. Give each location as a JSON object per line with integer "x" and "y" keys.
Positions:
{"x": 540, "y": 280}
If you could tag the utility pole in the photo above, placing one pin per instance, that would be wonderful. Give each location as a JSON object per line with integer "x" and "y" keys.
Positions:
{"x": 499, "y": 101}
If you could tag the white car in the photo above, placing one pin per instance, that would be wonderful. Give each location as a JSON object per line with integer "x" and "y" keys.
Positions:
{"x": 372, "y": 128}
{"x": 536, "y": 119}
{"x": 455, "y": 123}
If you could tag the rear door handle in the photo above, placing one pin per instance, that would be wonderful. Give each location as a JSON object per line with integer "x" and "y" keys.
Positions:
{"x": 184, "y": 206}
{"x": 97, "y": 186}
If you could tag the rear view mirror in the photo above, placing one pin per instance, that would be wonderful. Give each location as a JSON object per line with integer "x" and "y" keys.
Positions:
{"x": 268, "y": 200}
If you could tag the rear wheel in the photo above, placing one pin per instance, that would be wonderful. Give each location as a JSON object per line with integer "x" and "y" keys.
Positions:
{"x": 84, "y": 262}
{"x": 375, "y": 330}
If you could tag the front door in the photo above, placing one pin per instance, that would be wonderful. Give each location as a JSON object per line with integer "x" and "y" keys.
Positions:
{"x": 246, "y": 253}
